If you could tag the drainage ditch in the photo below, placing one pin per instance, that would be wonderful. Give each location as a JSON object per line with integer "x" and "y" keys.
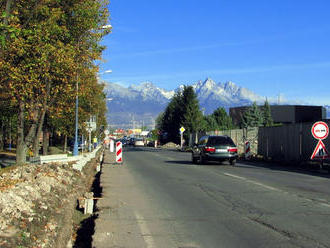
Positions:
{"x": 86, "y": 230}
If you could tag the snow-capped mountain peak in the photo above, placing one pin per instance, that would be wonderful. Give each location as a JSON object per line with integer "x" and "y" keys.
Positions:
{"x": 231, "y": 88}
{"x": 147, "y": 100}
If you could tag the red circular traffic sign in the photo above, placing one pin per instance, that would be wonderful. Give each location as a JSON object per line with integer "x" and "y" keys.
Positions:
{"x": 320, "y": 130}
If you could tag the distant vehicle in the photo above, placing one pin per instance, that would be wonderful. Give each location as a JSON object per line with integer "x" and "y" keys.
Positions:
{"x": 139, "y": 142}
{"x": 214, "y": 148}
{"x": 80, "y": 144}
{"x": 131, "y": 141}
{"x": 151, "y": 143}
{"x": 124, "y": 142}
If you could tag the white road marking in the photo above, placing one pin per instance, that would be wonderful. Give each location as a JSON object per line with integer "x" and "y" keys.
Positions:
{"x": 234, "y": 176}
{"x": 145, "y": 232}
{"x": 322, "y": 202}
{"x": 251, "y": 181}
{"x": 164, "y": 157}
{"x": 325, "y": 205}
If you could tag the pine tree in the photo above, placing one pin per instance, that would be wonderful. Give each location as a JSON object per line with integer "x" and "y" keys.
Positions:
{"x": 268, "y": 120}
{"x": 172, "y": 118}
{"x": 192, "y": 115}
{"x": 183, "y": 110}
{"x": 210, "y": 123}
{"x": 253, "y": 117}
{"x": 223, "y": 120}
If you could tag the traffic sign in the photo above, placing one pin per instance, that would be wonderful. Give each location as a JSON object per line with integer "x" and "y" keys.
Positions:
{"x": 182, "y": 129}
{"x": 320, "y": 151}
{"x": 320, "y": 130}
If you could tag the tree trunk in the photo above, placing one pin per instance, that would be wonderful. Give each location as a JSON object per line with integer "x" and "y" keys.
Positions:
{"x": 36, "y": 142}
{"x": 21, "y": 145}
{"x": 45, "y": 142}
{"x": 10, "y": 138}
{"x": 65, "y": 147}
{"x": 29, "y": 138}
{"x": 2, "y": 138}
{"x": 41, "y": 118}
{"x": 7, "y": 11}
{"x": 24, "y": 142}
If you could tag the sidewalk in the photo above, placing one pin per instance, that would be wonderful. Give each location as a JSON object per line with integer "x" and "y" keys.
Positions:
{"x": 116, "y": 225}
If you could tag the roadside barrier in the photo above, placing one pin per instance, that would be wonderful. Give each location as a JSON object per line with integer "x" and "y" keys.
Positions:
{"x": 119, "y": 152}
{"x": 247, "y": 150}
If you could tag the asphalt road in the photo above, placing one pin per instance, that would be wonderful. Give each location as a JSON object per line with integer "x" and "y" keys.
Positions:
{"x": 163, "y": 200}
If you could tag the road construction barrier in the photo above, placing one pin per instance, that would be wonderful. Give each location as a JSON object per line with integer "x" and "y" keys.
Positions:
{"x": 112, "y": 144}
{"x": 247, "y": 150}
{"x": 119, "y": 152}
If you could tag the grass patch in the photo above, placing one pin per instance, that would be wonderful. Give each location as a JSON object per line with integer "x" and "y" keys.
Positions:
{"x": 55, "y": 150}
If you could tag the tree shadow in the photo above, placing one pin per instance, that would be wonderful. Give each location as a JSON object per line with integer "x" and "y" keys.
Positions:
{"x": 294, "y": 167}
{"x": 186, "y": 162}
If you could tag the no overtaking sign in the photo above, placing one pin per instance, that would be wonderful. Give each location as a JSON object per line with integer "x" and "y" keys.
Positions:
{"x": 320, "y": 130}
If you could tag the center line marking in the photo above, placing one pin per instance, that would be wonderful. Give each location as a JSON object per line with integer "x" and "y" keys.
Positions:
{"x": 325, "y": 205}
{"x": 234, "y": 176}
{"x": 251, "y": 181}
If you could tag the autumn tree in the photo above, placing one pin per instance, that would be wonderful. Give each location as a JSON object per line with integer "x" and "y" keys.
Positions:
{"x": 47, "y": 45}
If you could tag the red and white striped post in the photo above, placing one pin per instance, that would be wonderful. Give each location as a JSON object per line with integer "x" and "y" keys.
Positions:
{"x": 247, "y": 150}
{"x": 119, "y": 152}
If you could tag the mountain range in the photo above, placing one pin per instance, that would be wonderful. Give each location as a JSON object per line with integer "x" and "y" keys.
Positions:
{"x": 139, "y": 105}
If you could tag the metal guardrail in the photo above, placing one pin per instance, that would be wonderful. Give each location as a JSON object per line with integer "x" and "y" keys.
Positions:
{"x": 4, "y": 162}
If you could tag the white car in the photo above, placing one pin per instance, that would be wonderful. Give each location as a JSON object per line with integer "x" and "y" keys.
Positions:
{"x": 139, "y": 142}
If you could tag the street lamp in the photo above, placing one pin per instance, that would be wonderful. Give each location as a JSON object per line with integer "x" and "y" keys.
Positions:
{"x": 75, "y": 146}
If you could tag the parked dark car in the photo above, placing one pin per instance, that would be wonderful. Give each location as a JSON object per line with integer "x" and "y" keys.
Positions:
{"x": 214, "y": 148}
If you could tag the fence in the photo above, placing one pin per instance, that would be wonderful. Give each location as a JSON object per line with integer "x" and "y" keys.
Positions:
{"x": 290, "y": 142}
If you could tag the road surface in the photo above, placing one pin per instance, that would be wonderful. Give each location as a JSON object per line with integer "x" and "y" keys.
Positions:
{"x": 158, "y": 198}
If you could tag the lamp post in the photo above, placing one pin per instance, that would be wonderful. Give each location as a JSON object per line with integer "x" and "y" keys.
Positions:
{"x": 75, "y": 146}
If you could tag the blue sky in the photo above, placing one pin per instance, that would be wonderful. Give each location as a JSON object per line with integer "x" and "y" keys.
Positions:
{"x": 271, "y": 47}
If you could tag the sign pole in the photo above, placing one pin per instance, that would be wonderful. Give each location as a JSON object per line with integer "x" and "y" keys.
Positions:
{"x": 320, "y": 131}
{"x": 182, "y": 129}
{"x": 181, "y": 140}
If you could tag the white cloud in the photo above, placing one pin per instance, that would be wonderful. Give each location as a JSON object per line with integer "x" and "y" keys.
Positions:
{"x": 105, "y": 72}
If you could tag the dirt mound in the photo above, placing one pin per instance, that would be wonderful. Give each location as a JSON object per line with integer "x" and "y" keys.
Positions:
{"x": 37, "y": 203}
{"x": 170, "y": 145}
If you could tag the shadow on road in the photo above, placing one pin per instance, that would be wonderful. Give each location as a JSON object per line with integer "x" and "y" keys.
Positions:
{"x": 187, "y": 162}
{"x": 176, "y": 162}
{"x": 295, "y": 168}
{"x": 312, "y": 171}
{"x": 306, "y": 170}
